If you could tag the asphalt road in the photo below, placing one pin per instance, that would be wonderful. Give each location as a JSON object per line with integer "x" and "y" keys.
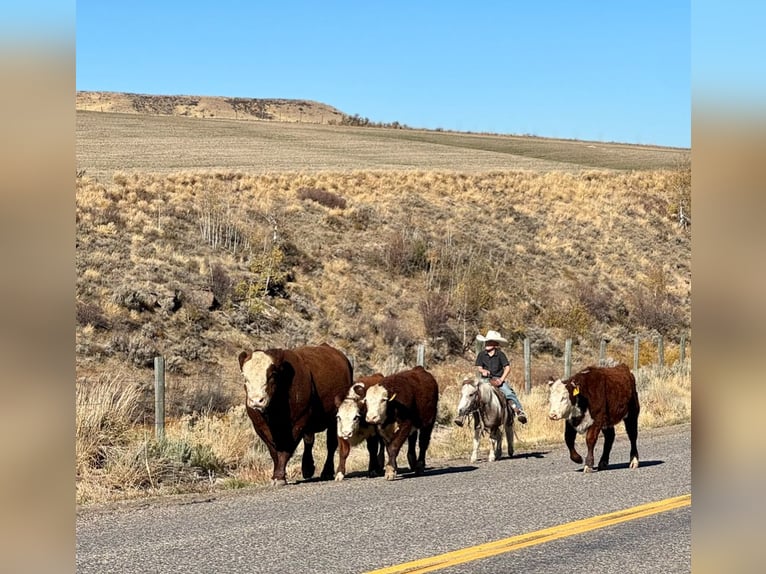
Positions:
{"x": 364, "y": 524}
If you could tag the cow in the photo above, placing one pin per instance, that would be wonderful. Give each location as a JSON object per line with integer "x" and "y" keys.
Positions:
{"x": 593, "y": 401}
{"x": 353, "y": 428}
{"x": 403, "y": 406}
{"x": 290, "y": 395}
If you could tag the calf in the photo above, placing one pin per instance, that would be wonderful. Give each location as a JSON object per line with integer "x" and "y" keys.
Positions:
{"x": 403, "y": 406}
{"x": 593, "y": 401}
{"x": 353, "y": 428}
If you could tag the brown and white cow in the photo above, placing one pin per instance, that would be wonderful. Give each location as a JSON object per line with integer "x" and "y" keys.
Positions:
{"x": 290, "y": 395}
{"x": 403, "y": 406}
{"x": 353, "y": 428}
{"x": 593, "y": 401}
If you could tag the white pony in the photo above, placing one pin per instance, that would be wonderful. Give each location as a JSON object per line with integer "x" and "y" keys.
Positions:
{"x": 490, "y": 414}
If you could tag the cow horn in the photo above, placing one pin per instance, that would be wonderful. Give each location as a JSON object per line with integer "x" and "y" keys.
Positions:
{"x": 392, "y": 397}
{"x": 243, "y": 356}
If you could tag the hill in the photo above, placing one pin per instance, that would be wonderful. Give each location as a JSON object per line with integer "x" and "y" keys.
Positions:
{"x": 263, "y": 109}
{"x": 197, "y": 238}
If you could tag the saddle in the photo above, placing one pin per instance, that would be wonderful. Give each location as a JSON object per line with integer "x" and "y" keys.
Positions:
{"x": 504, "y": 401}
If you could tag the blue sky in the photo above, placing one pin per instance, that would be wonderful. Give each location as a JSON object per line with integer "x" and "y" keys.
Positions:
{"x": 592, "y": 70}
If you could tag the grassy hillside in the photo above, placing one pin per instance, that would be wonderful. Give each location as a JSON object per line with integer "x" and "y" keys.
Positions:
{"x": 197, "y": 265}
{"x": 197, "y": 238}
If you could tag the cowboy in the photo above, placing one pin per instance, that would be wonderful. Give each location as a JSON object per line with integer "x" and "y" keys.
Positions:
{"x": 493, "y": 365}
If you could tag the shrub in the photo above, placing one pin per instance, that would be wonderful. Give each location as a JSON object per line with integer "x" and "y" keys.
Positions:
{"x": 322, "y": 197}
{"x": 653, "y": 311}
{"x": 91, "y": 314}
{"x": 220, "y": 283}
{"x": 571, "y": 317}
{"x": 435, "y": 312}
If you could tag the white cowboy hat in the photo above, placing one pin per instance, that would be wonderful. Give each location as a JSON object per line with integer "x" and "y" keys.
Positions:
{"x": 492, "y": 336}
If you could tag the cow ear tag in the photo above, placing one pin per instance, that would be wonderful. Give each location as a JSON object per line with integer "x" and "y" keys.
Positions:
{"x": 576, "y": 391}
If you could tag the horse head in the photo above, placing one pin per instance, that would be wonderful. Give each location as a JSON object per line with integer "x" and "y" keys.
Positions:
{"x": 469, "y": 397}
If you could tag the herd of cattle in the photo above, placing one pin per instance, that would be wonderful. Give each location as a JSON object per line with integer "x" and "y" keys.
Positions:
{"x": 292, "y": 394}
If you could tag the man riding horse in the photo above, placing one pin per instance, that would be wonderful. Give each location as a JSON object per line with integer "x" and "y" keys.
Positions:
{"x": 493, "y": 365}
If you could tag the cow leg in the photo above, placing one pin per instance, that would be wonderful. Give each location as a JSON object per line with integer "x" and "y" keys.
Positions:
{"x": 280, "y": 466}
{"x": 591, "y": 436}
{"x": 631, "y": 427}
{"x": 608, "y": 433}
{"x": 332, "y": 445}
{"x": 374, "y": 450}
{"x": 412, "y": 458}
{"x": 393, "y": 448}
{"x": 345, "y": 448}
{"x": 424, "y": 439}
{"x": 569, "y": 439}
{"x": 307, "y": 462}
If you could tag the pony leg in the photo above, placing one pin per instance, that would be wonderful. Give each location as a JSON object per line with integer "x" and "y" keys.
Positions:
{"x": 476, "y": 440}
{"x": 509, "y": 436}
{"x": 495, "y": 444}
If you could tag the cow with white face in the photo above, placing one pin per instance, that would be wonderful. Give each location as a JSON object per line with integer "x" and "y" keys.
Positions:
{"x": 353, "y": 428}
{"x": 290, "y": 396}
{"x": 592, "y": 402}
{"x": 258, "y": 373}
{"x": 376, "y": 401}
{"x": 403, "y": 407}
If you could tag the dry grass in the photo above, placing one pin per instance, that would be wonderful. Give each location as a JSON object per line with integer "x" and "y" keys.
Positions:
{"x": 212, "y": 451}
{"x": 197, "y": 239}
{"x": 111, "y": 142}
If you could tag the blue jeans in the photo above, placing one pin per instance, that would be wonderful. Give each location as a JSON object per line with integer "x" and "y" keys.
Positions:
{"x": 510, "y": 394}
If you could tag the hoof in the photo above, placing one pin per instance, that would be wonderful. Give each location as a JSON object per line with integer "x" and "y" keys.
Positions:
{"x": 390, "y": 474}
{"x": 339, "y": 477}
{"x": 576, "y": 458}
{"x": 588, "y": 469}
{"x": 634, "y": 463}
{"x": 278, "y": 482}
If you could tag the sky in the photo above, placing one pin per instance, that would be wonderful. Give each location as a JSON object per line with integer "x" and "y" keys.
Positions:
{"x": 589, "y": 70}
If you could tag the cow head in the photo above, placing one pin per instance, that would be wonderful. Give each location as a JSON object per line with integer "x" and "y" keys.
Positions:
{"x": 350, "y": 411}
{"x": 377, "y": 399}
{"x": 260, "y": 369}
{"x": 562, "y": 399}
{"x": 469, "y": 395}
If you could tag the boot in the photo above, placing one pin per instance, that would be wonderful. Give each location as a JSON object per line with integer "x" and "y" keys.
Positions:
{"x": 520, "y": 414}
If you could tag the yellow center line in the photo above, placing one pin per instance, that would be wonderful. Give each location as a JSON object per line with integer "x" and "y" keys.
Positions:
{"x": 532, "y": 538}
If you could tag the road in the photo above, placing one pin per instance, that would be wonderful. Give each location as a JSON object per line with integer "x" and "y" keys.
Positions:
{"x": 362, "y": 524}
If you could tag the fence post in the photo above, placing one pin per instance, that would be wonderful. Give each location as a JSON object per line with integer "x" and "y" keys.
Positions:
{"x": 421, "y": 355}
{"x": 159, "y": 398}
{"x": 602, "y": 353}
{"x": 682, "y": 356}
{"x": 527, "y": 366}
{"x": 567, "y": 358}
{"x": 661, "y": 351}
{"x": 635, "y": 354}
